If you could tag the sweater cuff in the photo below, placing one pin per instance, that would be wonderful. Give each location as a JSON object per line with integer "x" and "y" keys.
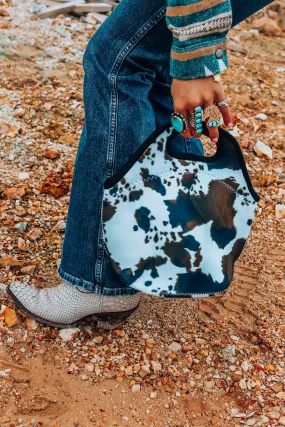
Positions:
{"x": 199, "y": 60}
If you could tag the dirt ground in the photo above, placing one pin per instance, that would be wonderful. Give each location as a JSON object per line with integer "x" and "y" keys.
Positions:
{"x": 228, "y": 366}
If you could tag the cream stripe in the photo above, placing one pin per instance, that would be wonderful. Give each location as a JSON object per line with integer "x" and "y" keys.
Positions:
{"x": 192, "y": 8}
{"x": 193, "y": 54}
{"x": 220, "y": 23}
{"x": 193, "y": 36}
{"x": 215, "y": 21}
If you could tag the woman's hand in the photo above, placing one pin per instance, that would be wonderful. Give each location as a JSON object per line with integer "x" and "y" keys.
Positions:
{"x": 188, "y": 94}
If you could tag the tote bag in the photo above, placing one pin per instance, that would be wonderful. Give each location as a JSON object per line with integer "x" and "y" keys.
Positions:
{"x": 174, "y": 224}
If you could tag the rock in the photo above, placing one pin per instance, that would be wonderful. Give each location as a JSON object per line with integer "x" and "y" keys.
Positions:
{"x": 156, "y": 366}
{"x": 69, "y": 334}
{"x": 200, "y": 341}
{"x": 277, "y": 387}
{"x": 5, "y": 373}
{"x": 236, "y": 377}
{"x": 245, "y": 366}
{"x": 60, "y": 226}
{"x": 136, "y": 388}
{"x": 31, "y": 324}
{"x": 98, "y": 340}
{"x": 20, "y": 211}
{"x": 242, "y": 384}
{"x": 229, "y": 352}
{"x": 22, "y": 244}
{"x": 89, "y": 367}
{"x": 280, "y": 211}
{"x": 209, "y": 385}
{"x": 251, "y": 421}
{"x": 8, "y": 260}
{"x": 10, "y": 341}
{"x": 270, "y": 367}
{"x": 281, "y": 421}
{"x": 263, "y": 150}
{"x": 153, "y": 395}
{"x": 36, "y": 8}
{"x": 19, "y": 112}
{"x": 21, "y": 226}
{"x": 51, "y": 154}
{"x": 84, "y": 377}
{"x": 261, "y": 116}
{"x": 28, "y": 269}
{"x": 267, "y": 26}
{"x": 273, "y": 415}
{"x": 14, "y": 193}
{"x": 23, "y": 175}
{"x": 9, "y": 315}
{"x": 129, "y": 370}
{"x": 72, "y": 368}
{"x": 175, "y": 347}
{"x": 281, "y": 395}
{"x": 35, "y": 234}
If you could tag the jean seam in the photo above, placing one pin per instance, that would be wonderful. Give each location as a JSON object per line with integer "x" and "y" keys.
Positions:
{"x": 142, "y": 31}
{"x": 111, "y": 149}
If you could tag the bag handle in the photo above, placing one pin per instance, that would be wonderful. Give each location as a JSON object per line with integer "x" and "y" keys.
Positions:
{"x": 228, "y": 155}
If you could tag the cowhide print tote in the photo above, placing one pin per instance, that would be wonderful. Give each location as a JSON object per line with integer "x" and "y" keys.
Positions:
{"x": 174, "y": 224}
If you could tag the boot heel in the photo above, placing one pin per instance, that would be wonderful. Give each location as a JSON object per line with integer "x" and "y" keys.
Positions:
{"x": 113, "y": 320}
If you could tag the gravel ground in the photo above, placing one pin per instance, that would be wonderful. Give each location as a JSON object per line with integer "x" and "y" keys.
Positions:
{"x": 197, "y": 363}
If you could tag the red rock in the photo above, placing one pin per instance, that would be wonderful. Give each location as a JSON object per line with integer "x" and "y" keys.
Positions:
{"x": 8, "y": 260}
{"x": 3, "y": 12}
{"x": 51, "y": 154}
{"x": 10, "y": 316}
{"x": 14, "y": 193}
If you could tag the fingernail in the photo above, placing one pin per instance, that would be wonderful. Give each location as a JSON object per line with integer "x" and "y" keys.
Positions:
{"x": 215, "y": 140}
{"x": 229, "y": 125}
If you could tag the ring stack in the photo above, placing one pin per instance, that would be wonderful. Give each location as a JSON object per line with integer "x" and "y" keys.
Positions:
{"x": 195, "y": 119}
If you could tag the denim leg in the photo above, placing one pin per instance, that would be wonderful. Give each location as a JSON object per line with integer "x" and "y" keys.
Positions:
{"x": 124, "y": 103}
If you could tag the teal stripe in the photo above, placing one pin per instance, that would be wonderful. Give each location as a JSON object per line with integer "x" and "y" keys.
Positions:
{"x": 199, "y": 42}
{"x": 182, "y": 21}
{"x": 194, "y": 68}
{"x": 182, "y": 2}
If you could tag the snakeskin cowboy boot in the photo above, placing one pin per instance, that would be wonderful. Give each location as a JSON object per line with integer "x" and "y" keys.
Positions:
{"x": 64, "y": 305}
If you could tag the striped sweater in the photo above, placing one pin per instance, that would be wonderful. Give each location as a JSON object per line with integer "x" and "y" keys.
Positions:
{"x": 199, "y": 30}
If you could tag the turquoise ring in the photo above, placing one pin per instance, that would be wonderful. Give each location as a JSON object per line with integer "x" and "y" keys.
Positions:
{"x": 195, "y": 119}
{"x": 178, "y": 122}
{"x": 214, "y": 123}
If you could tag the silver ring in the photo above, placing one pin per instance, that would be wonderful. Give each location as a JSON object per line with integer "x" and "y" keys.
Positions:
{"x": 223, "y": 103}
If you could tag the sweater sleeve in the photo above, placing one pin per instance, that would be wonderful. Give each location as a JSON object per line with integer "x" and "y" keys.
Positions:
{"x": 199, "y": 30}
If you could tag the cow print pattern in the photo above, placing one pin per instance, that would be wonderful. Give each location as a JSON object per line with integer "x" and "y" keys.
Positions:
{"x": 175, "y": 227}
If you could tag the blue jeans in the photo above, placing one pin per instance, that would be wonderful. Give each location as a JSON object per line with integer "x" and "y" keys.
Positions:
{"x": 126, "y": 97}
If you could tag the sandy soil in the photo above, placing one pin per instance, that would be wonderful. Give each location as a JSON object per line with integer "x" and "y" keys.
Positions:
{"x": 230, "y": 369}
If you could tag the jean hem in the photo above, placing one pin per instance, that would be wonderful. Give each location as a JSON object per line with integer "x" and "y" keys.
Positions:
{"x": 91, "y": 287}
